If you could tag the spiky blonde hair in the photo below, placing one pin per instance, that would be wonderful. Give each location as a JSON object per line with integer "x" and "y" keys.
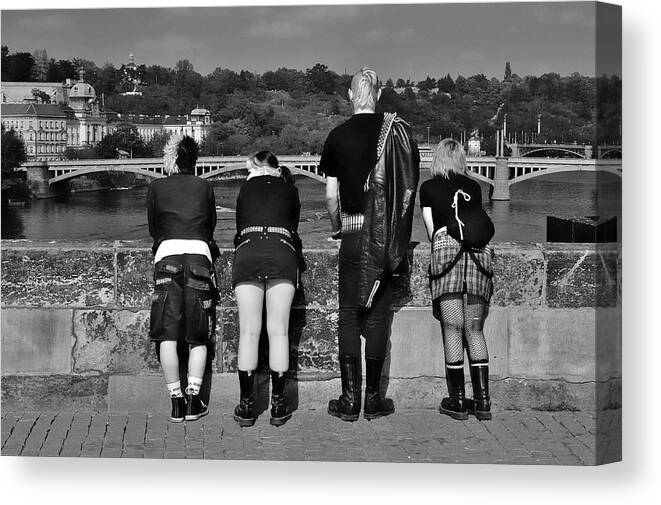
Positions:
{"x": 170, "y": 154}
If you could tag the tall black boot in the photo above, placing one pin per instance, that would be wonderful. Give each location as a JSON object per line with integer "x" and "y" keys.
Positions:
{"x": 480, "y": 406}
{"x": 244, "y": 413}
{"x": 454, "y": 405}
{"x": 347, "y": 406}
{"x": 375, "y": 406}
{"x": 280, "y": 412}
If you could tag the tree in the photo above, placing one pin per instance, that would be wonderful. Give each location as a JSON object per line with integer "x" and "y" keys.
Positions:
{"x": 41, "y": 63}
{"x": 127, "y": 139}
{"x": 508, "y": 72}
{"x": 41, "y": 96}
{"x": 13, "y": 151}
{"x": 20, "y": 67}
{"x": 321, "y": 79}
{"x": 389, "y": 83}
{"x": 4, "y": 65}
{"x": 401, "y": 83}
{"x": 157, "y": 143}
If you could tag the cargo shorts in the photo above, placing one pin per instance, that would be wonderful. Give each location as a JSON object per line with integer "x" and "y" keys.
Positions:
{"x": 184, "y": 301}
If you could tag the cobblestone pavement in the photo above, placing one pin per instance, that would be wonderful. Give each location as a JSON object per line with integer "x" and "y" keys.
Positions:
{"x": 423, "y": 436}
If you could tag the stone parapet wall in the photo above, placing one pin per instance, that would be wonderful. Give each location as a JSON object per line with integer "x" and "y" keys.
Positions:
{"x": 75, "y": 319}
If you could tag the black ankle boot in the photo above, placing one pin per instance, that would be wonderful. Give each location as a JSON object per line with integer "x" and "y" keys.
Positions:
{"x": 244, "y": 413}
{"x": 280, "y": 412}
{"x": 480, "y": 406}
{"x": 455, "y": 404}
{"x": 195, "y": 408}
{"x": 375, "y": 406}
{"x": 347, "y": 406}
{"x": 178, "y": 409}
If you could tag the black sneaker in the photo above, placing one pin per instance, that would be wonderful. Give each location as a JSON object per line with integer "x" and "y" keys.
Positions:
{"x": 178, "y": 409}
{"x": 196, "y": 408}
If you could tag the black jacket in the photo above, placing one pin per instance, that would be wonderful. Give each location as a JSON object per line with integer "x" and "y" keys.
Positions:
{"x": 182, "y": 206}
{"x": 389, "y": 206}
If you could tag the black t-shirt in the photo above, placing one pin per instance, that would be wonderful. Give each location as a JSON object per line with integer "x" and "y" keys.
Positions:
{"x": 438, "y": 193}
{"x": 267, "y": 201}
{"x": 350, "y": 155}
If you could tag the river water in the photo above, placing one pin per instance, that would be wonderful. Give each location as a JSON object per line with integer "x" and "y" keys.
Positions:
{"x": 121, "y": 214}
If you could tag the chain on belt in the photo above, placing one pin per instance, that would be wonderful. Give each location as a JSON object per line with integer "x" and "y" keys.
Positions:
{"x": 266, "y": 229}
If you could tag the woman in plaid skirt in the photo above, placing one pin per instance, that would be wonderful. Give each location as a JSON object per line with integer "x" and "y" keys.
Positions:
{"x": 460, "y": 276}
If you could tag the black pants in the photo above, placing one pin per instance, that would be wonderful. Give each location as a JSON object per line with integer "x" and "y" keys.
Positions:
{"x": 373, "y": 323}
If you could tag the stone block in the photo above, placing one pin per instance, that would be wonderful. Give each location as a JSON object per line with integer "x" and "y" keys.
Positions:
{"x": 319, "y": 281}
{"x": 412, "y": 289}
{"x": 223, "y": 266}
{"x": 581, "y": 278}
{"x": 135, "y": 283}
{"x": 57, "y": 277}
{"x": 48, "y": 393}
{"x": 552, "y": 343}
{"x": 416, "y": 345}
{"x": 542, "y": 394}
{"x": 36, "y": 341}
{"x": 312, "y": 341}
{"x": 608, "y": 342}
{"x": 518, "y": 275}
{"x": 113, "y": 342}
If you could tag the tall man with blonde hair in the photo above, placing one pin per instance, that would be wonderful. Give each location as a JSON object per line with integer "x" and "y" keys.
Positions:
{"x": 357, "y": 173}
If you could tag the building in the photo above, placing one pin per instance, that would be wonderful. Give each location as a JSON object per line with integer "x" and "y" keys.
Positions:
{"x": 43, "y": 128}
{"x": 72, "y": 119}
{"x": 196, "y": 124}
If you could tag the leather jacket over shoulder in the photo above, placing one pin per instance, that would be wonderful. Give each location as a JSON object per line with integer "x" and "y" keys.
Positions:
{"x": 389, "y": 206}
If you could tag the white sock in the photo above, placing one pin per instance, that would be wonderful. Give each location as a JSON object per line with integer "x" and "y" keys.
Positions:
{"x": 194, "y": 384}
{"x": 175, "y": 389}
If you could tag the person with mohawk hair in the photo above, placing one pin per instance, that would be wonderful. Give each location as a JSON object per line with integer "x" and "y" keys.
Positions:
{"x": 181, "y": 210}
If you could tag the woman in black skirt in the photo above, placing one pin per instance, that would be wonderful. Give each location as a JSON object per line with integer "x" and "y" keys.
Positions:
{"x": 266, "y": 269}
{"x": 460, "y": 275}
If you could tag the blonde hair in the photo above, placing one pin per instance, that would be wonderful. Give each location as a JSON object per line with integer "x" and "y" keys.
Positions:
{"x": 449, "y": 157}
{"x": 365, "y": 89}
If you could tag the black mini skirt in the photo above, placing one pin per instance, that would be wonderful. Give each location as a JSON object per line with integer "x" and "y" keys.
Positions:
{"x": 263, "y": 256}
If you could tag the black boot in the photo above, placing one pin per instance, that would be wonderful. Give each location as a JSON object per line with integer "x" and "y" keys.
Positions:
{"x": 455, "y": 404}
{"x": 243, "y": 413}
{"x": 375, "y": 406}
{"x": 178, "y": 409}
{"x": 347, "y": 406}
{"x": 195, "y": 408}
{"x": 480, "y": 406}
{"x": 280, "y": 412}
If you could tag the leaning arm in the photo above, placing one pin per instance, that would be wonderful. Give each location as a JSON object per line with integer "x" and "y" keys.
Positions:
{"x": 333, "y": 203}
{"x": 428, "y": 219}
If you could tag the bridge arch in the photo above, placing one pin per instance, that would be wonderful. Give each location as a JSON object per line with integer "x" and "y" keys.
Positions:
{"x": 559, "y": 169}
{"x": 155, "y": 174}
{"x": 234, "y": 167}
{"x": 614, "y": 153}
{"x": 551, "y": 148}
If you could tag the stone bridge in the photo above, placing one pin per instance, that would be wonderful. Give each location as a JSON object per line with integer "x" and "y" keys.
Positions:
{"x": 501, "y": 173}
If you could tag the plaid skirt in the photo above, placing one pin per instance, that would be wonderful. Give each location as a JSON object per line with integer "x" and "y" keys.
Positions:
{"x": 453, "y": 269}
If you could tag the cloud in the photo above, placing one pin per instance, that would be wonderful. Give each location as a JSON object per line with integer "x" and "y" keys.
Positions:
{"x": 278, "y": 30}
{"x": 177, "y": 45}
{"x": 376, "y": 34}
{"x": 55, "y": 22}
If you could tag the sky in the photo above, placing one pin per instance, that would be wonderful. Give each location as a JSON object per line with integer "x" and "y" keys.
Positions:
{"x": 396, "y": 40}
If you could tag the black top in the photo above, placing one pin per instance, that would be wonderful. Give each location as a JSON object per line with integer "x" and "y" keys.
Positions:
{"x": 438, "y": 193}
{"x": 267, "y": 201}
{"x": 181, "y": 206}
{"x": 350, "y": 154}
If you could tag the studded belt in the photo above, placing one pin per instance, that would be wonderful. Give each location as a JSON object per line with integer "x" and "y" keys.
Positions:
{"x": 352, "y": 222}
{"x": 266, "y": 229}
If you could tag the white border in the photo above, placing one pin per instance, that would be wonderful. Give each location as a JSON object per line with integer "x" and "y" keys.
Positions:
{"x": 64, "y": 480}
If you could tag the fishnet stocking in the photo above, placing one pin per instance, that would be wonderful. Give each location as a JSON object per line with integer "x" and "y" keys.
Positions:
{"x": 462, "y": 320}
